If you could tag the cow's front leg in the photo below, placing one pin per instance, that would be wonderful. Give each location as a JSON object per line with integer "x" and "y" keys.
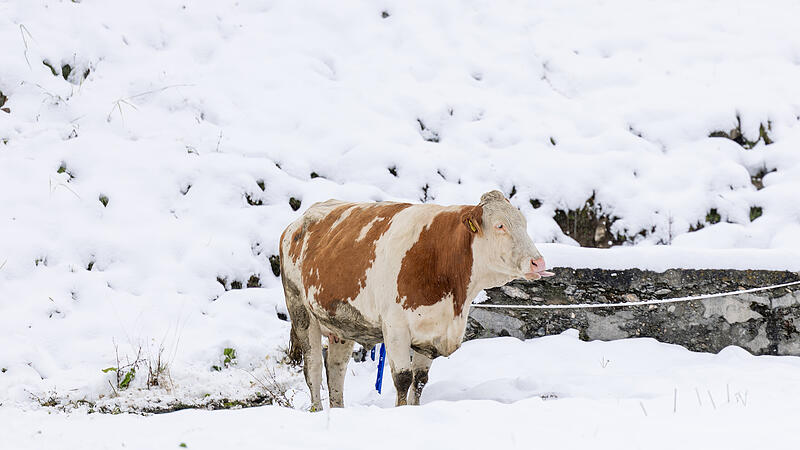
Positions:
{"x": 339, "y": 351}
{"x": 398, "y": 350}
{"x": 419, "y": 368}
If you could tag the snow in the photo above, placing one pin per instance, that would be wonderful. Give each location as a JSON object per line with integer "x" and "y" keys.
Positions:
{"x": 189, "y": 106}
{"x": 556, "y": 391}
{"x": 662, "y": 257}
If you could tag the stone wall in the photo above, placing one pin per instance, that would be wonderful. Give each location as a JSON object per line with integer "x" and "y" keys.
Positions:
{"x": 765, "y": 323}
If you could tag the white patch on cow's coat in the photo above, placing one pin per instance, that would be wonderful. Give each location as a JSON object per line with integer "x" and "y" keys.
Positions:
{"x": 344, "y": 215}
{"x": 366, "y": 229}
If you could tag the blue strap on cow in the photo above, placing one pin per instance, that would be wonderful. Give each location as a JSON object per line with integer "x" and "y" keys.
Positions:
{"x": 381, "y": 361}
{"x": 372, "y": 353}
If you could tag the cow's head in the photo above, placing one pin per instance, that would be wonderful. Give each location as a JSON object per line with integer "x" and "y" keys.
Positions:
{"x": 502, "y": 239}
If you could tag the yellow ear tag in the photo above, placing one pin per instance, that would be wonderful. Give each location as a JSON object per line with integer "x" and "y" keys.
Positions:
{"x": 472, "y": 226}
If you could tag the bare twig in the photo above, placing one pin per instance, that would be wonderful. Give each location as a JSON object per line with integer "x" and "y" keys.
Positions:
{"x": 178, "y": 334}
{"x": 742, "y": 398}
{"x": 675, "y": 401}
{"x": 113, "y": 388}
{"x": 120, "y": 369}
{"x": 55, "y": 98}
{"x": 117, "y": 104}
{"x": 714, "y": 404}
{"x": 156, "y": 369}
{"x": 22, "y": 30}
{"x": 154, "y": 91}
{"x": 53, "y": 188}
{"x": 275, "y": 389}
{"x": 116, "y": 354}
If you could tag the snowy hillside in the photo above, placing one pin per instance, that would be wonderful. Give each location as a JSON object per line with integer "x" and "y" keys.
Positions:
{"x": 151, "y": 153}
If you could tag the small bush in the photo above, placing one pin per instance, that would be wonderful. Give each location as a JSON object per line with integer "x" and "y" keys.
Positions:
{"x": 228, "y": 359}
{"x": 51, "y": 67}
{"x": 62, "y": 168}
{"x": 427, "y": 133}
{"x": 254, "y": 281}
{"x": 713, "y": 216}
{"x": 230, "y": 356}
{"x": 277, "y": 392}
{"x": 755, "y": 212}
{"x": 252, "y": 200}
{"x": 275, "y": 264}
{"x": 589, "y": 225}
{"x": 125, "y": 373}
{"x": 157, "y": 370}
{"x": 3, "y": 100}
{"x": 737, "y": 136}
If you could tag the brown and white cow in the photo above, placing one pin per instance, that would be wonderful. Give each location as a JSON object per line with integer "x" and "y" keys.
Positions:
{"x": 396, "y": 273}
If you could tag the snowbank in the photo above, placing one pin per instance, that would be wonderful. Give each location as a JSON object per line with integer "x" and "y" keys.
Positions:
{"x": 555, "y": 392}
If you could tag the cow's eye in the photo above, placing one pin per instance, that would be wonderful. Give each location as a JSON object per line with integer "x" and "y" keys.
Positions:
{"x": 499, "y": 226}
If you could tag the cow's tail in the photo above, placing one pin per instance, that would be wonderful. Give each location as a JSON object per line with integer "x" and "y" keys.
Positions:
{"x": 295, "y": 352}
{"x": 297, "y": 313}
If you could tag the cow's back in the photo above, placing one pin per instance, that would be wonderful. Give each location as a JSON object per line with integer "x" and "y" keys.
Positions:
{"x": 328, "y": 254}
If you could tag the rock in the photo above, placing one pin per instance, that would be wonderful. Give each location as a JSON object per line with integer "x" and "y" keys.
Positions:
{"x": 498, "y": 324}
{"x": 761, "y": 322}
{"x": 589, "y": 225}
{"x": 630, "y": 298}
{"x": 514, "y": 292}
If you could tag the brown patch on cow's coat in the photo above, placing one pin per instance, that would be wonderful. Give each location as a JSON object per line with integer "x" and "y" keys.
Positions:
{"x": 296, "y": 245}
{"x": 335, "y": 261}
{"x": 440, "y": 262}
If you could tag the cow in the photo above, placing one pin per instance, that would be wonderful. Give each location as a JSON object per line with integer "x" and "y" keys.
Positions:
{"x": 398, "y": 273}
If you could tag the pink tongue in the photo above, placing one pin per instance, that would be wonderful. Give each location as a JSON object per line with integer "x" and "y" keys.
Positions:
{"x": 545, "y": 273}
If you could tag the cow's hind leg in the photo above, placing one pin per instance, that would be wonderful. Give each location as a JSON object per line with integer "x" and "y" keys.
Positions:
{"x": 312, "y": 364}
{"x": 420, "y": 365}
{"x": 339, "y": 351}
{"x": 305, "y": 336}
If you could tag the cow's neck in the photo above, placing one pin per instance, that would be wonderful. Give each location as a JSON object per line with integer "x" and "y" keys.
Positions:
{"x": 484, "y": 276}
{"x": 485, "y": 280}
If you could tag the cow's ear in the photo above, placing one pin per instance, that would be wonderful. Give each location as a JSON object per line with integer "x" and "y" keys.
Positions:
{"x": 473, "y": 220}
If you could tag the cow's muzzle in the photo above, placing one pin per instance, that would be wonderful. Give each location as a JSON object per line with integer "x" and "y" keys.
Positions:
{"x": 536, "y": 270}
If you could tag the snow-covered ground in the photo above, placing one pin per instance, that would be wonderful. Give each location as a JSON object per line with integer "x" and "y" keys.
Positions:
{"x": 552, "y": 392}
{"x": 138, "y": 188}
